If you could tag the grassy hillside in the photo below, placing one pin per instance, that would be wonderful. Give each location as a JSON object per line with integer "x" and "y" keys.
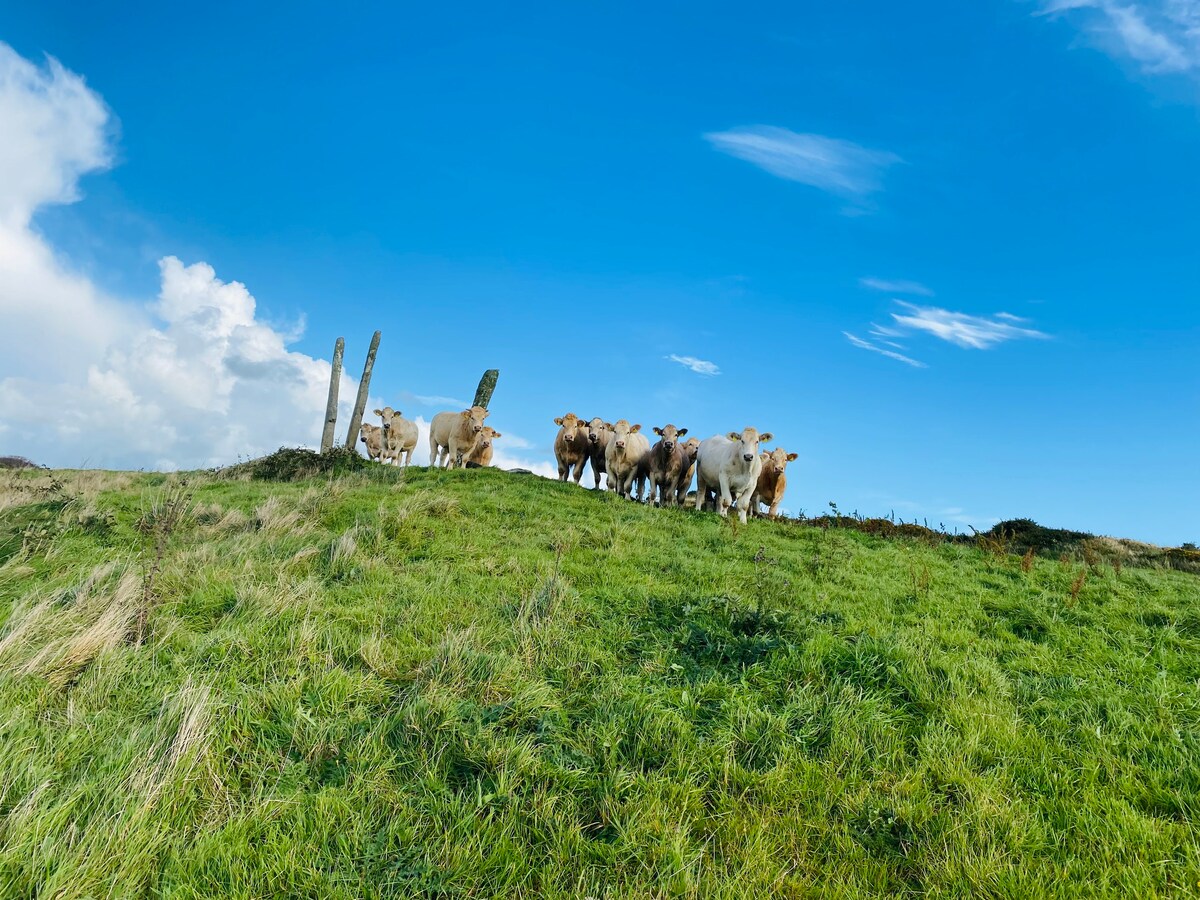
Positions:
{"x": 482, "y": 684}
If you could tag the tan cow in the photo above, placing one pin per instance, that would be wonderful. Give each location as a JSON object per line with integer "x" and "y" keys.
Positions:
{"x": 729, "y": 465}
{"x": 399, "y": 436}
{"x": 570, "y": 447}
{"x": 480, "y": 453}
{"x": 451, "y": 434}
{"x": 771, "y": 481}
{"x": 689, "y": 469}
{"x": 664, "y": 464}
{"x": 599, "y": 433}
{"x": 372, "y": 436}
{"x": 623, "y": 459}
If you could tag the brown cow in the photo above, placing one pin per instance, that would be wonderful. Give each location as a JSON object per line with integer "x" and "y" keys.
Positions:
{"x": 451, "y": 434}
{"x": 771, "y": 481}
{"x": 664, "y": 464}
{"x": 570, "y": 447}
{"x": 599, "y": 433}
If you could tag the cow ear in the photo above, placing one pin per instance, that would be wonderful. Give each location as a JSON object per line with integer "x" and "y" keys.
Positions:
{"x": 734, "y": 436}
{"x": 379, "y": 412}
{"x": 636, "y": 428}
{"x": 497, "y": 434}
{"x": 558, "y": 420}
{"x": 486, "y": 413}
{"x": 766, "y": 436}
{"x": 657, "y": 430}
{"x": 608, "y": 425}
{"x": 682, "y": 432}
{"x": 792, "y": 457}
{"x": 466, "y": 414}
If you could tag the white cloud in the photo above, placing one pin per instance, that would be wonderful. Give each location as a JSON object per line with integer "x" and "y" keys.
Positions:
{"x": 193, "y": 378}
{"x": 896, "y": 287}
{"x": 699, "y": 366}
{"x": 962, "y": 330}
{"x": 1161, "y": 36}
{"x": 891, "y": 354}
{"x": 830, "y": 164}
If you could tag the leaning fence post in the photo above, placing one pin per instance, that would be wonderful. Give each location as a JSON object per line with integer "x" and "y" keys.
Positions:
{"x": 335, "y": 381}
{"x": 363, "y": 386}
{"x": 487, "y": 384}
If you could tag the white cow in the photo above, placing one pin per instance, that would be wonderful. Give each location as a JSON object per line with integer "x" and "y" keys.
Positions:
{"x": 399, "y": 436}
{"x": 451, "y": 435}
{"x": 623, "y": 458}
{"x": 730, "y": 465}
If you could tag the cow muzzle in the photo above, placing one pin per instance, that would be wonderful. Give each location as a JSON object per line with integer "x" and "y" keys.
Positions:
{"x": 748, "y": 457}
{"x": 620, "y": 445}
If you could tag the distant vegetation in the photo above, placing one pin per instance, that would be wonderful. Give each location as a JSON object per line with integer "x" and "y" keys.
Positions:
{"x": 319, "y": 677}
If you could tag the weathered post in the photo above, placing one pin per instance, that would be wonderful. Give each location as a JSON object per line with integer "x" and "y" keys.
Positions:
{"x": 487, "y": 384}
{"x": 335, "y": 382}
{"x": 361, "y": 402}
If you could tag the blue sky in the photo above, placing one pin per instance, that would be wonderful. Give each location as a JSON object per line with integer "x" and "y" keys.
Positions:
{"x": 948, "y": 258}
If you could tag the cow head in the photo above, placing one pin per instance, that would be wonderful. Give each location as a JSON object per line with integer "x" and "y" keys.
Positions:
{"x": 777, "y": 460}
{"x": 670, "y": 436}
{"x": 749, "y": 438}
{"x": 691, "y": 448}
{"x": 474, "y": 417}
{"x": 621, "y": 430}
{"x": 484, "y": 438}
{"x": 595, "y": 430}
{"x": 570, "y": 425}
{"x": 386, "y": 415}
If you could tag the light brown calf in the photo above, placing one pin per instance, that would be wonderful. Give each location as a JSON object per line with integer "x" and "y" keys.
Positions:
{"x": 480, "y": 453}
{"x": 399, "y": 436}
{"x": 771, "y": 481}
{"x": 690, "y": 449}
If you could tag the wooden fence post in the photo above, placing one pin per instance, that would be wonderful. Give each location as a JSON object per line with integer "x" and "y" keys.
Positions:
{"x": 361, "y": 402}
{"x": 487, "y": 384}
{"x": 335, "y": 382}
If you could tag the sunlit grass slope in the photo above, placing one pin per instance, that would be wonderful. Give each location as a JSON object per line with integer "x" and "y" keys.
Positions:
{"x": 481, "y": 684}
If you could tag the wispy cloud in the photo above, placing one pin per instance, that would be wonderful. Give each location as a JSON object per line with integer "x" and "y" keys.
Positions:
{"x": 891, "y": 354}
{"x": 1161, "y": 36}
{"x": 896, "y": 287}
{"x": 962, "y": 330}
{"x": 830, "y": 164}
{"x": 699, "y": 366}
{"x": 431, "y": 399}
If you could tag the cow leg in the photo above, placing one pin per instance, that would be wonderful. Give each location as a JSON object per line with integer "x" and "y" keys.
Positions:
{"x": 725, "y": 498}
{"x": 701, "y": 491}
{"x": 579, "y": 469}
{"x": 743, "y": 502}
{"x": 563, "y": 470}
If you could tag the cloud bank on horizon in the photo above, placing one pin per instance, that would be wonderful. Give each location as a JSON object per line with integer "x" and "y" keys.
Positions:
{"x": 191, "y": 379}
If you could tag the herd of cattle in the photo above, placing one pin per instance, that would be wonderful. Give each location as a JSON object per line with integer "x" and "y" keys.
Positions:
{"x": 729, "y": 469}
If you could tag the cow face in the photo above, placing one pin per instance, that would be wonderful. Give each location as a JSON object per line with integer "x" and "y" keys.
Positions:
{"x": 670, "y": 436}
{"x": 595, "y": 430}
{"x": 571, "y": 426}
{"x": 776, "y": 460}
{"x": 387, "y": 415}
{"x": 748, "y": 438}
{"x": 691, "y": 448}
{"x": 621, "y": 431}
{"x": 484, "y": 438}
{"x": 474, "y": 417}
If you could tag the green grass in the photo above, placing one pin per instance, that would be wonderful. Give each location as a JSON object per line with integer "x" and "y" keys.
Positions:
{"x": 477, "y": 684}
